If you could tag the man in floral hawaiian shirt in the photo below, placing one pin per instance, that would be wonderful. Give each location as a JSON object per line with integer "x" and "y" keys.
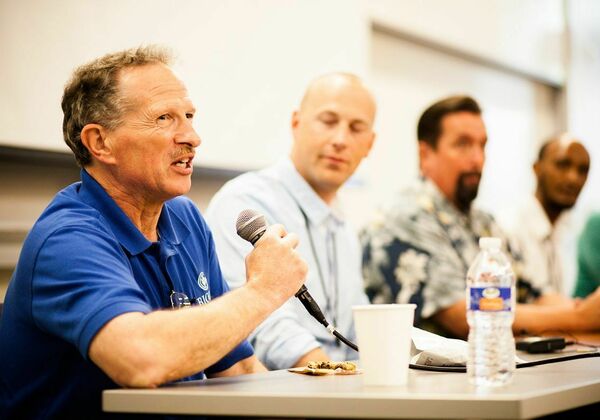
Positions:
{"x": 419, "y": 249}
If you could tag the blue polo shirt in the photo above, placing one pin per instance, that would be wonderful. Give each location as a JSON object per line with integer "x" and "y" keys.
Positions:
{"x": 83, "y": 264}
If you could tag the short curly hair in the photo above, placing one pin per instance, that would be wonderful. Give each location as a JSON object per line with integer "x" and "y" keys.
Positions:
{"x": 92, "y": 96}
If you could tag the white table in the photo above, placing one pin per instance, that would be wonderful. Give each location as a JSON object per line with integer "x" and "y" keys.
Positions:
{"x": 535, "y": 391}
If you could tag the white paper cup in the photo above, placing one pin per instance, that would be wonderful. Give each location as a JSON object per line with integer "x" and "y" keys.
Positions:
{"x": 383, "y": 333}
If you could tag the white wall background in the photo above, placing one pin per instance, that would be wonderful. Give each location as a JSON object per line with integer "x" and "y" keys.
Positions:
{"x": 527, "y": 35}
{"x": 244, "y": 62}
{"x": 583, "y": 89}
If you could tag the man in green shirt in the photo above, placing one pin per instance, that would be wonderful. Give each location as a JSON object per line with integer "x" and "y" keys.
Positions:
{"x": 588, "y": 258}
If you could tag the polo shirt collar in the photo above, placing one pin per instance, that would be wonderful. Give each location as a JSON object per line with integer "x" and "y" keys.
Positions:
{"x": 317, "y": 211}
{"x": 170, "y": 226}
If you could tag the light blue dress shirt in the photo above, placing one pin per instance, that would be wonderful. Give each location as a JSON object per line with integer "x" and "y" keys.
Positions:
{"x": 282, "y": 194}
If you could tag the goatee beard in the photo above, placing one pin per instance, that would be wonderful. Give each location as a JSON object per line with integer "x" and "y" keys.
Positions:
{"x": 465, "y": 194}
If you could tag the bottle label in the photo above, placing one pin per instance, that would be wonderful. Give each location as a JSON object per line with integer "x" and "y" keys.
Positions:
{"x": 490, "y": 299}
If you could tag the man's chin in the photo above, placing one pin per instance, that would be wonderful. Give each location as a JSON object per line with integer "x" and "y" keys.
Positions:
{"x": 564, "y": 204}
{"x": 180, "y": 188}
{"x": 464, "y": 198}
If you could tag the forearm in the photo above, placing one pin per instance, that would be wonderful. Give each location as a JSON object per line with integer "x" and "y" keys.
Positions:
{"x": 553, "y": 299}
{"x": 531, "y": 318}
{"x": 535, "y": 319}
{"x": 148, "y": 350}
{"x": 167, "y": 345}
{"x": 454, "y": 319}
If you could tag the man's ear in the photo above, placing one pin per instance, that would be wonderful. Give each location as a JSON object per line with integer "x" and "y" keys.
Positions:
{"x": 425, "y": 151}
{"x": 95, "y": 138}
{"x": 295, "y": 120}
{"x": 537, "y": 169}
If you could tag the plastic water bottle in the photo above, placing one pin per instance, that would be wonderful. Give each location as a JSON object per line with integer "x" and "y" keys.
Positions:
{"x": 491, "y": 304}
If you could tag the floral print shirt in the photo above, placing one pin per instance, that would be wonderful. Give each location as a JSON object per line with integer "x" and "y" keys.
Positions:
{"x": 419, "y": 251}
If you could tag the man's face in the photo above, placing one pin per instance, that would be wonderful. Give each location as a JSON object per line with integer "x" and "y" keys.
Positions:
{"x": 561, "y": 173}
{"x": 333, "y": 132}
{"x": 455, "y": 164}
{"x": 154, "y": 147}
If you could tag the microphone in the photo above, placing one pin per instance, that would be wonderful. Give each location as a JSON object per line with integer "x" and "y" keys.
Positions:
{"x": 251, "y": 225}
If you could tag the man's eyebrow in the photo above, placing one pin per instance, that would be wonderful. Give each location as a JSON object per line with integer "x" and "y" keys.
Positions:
{"x": 160, "y": 108}
{"x": 360, "y": 121}
{"x": 327, "y": 113}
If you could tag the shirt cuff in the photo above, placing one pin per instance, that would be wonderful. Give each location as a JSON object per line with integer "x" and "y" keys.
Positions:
{"x": 283, "y": 354}
{"x": 100, "y": 318}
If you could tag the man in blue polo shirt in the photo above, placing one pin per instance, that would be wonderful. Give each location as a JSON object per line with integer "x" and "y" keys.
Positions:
{"x": 83, "y": 309}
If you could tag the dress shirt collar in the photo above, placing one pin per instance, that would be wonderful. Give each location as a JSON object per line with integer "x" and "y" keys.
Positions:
{"x": 317, "y": 211}
{"x": 172, "y": 229}
{"x": 539, "y": 224}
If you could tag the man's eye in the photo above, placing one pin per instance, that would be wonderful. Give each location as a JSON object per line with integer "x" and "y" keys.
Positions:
{"x": 189, "y": 116}
{"x": 583, "y": 170}
{"x": 358, "y": 128}
{"x": 562, "y": 164}
{"x": 164, "y": 117}
{"x": 328, "y": 121}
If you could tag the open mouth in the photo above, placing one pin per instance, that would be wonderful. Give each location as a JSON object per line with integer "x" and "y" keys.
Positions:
{"x": 184, "y": 163}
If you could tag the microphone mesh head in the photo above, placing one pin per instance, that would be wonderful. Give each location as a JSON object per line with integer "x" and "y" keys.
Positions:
{"x": 250, "y": 225}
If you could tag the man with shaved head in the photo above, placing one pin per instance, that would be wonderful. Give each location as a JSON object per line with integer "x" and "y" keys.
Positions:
{"x": 543, "y": 226}
{"x": 332, "y": 132}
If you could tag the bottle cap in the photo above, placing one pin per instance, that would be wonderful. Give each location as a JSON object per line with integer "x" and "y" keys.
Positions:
{"x": 490, "y": 243}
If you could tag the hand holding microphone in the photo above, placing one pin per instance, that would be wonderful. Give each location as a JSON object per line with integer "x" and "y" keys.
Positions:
{"x": 274, "y": 263}
{"x": 251, "y": 226}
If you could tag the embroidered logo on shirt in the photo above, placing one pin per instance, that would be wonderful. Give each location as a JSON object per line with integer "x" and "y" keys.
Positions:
{"x": 203, "y": 281}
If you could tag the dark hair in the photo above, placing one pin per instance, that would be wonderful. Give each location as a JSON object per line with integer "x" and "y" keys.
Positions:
{"x": 91, "y": 95}
{"x": 429, "y": 126}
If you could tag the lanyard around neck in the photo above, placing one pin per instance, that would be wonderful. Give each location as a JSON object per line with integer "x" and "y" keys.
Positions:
{"x": 330, "y": 307}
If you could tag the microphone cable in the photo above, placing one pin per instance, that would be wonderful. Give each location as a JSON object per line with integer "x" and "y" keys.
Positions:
{"x": 313, "y": 308}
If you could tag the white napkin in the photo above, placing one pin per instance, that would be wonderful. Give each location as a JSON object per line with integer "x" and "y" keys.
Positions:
{"x": 430, "y": 349}
{"x": 434, "y": 350}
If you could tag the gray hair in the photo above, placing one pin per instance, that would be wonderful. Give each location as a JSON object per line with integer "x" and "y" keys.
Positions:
{"x": 92, "y": 95}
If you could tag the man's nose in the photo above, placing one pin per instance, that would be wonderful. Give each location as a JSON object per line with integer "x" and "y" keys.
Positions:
{"x": 187, "y": 134}
{"x": 340, "y": 135}
{"x": 574, "y": 176}
{"x": 478, "y": 157}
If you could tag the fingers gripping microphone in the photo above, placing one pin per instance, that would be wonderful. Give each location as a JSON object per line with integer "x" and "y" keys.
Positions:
{"x": 251, "y": 225}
